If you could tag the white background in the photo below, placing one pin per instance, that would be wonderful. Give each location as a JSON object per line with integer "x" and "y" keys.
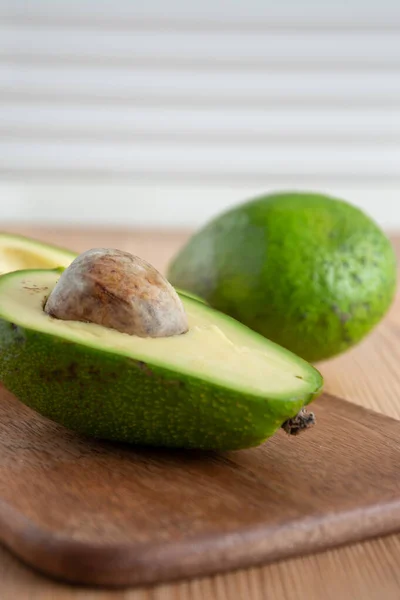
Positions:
{"x": 126, "y": 113}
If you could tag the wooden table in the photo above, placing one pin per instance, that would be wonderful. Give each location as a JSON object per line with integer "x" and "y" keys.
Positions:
{"x": 368, "y": 375}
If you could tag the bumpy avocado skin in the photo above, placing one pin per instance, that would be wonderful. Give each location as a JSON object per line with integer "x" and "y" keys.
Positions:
{"x": 312, "y": 273}
{"x": 108, "y": 396}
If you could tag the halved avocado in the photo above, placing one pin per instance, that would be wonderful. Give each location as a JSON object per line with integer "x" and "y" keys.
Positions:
{"x": 19, "y": 252}
{"x": 218, "y": 386}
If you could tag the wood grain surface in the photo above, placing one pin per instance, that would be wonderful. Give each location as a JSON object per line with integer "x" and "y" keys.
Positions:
{"x": 367, "y": 375}
{"x": 110, "y": 514}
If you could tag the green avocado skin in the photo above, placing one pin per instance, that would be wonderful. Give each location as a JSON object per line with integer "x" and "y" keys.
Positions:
{"x": 104, "y": 395}
{"x": 312, "y": 273}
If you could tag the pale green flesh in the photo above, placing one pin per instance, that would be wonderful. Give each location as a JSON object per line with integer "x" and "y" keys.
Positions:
{"x": 216, "y": 348}
{"x": 18, "y": 252}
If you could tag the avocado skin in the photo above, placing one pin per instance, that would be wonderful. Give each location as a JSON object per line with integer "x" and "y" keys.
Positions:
{"x": 106, "y": 395}
{"x": 312, "y": 273}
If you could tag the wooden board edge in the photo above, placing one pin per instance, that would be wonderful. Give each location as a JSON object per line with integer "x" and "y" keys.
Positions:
{"x": 78, "y": 562}
{"x": 124, "y": 565}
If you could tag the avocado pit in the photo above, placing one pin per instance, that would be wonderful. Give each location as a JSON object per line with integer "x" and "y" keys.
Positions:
{"x": 120, "y": 291}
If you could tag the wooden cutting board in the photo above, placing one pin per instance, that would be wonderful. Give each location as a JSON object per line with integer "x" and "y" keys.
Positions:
{"x": 102, "y": 513}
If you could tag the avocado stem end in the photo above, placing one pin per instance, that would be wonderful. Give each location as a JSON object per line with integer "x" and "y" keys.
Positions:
{"x": 301, "y": 422}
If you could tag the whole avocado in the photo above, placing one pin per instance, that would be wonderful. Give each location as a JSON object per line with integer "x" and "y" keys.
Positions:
{"x": 310, "y": 272}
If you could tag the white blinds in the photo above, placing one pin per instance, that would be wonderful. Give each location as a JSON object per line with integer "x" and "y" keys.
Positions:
{"x": 238, "y": 95}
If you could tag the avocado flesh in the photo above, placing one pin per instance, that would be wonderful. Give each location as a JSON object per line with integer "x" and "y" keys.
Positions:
{"x": 219, "y": 386}
{"x": 19, "y": 252}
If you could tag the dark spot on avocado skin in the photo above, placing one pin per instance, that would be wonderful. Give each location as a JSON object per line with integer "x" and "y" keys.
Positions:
{"x": 175, "y": 382}
{"x": 93, "y": 370}
{"x": 356, "y": 278}
{"x": 49, "y": 376}
{"x": 98, "y": 374}
{"x": 148, "y": 371}
{"x": 72, "y": 373}
{"x": 18, "y": 334}
{"x": 343, "y": 317}
{"x": 72, "y": 370}
{"x": 144, "y": 367}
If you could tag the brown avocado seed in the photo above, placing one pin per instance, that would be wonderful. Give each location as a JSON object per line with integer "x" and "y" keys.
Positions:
{"x": 120, "y": 291}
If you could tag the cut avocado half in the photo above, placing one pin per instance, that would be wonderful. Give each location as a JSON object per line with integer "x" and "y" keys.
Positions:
{"x": 18, "y": 252}
{"x": 218, "y": 386}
